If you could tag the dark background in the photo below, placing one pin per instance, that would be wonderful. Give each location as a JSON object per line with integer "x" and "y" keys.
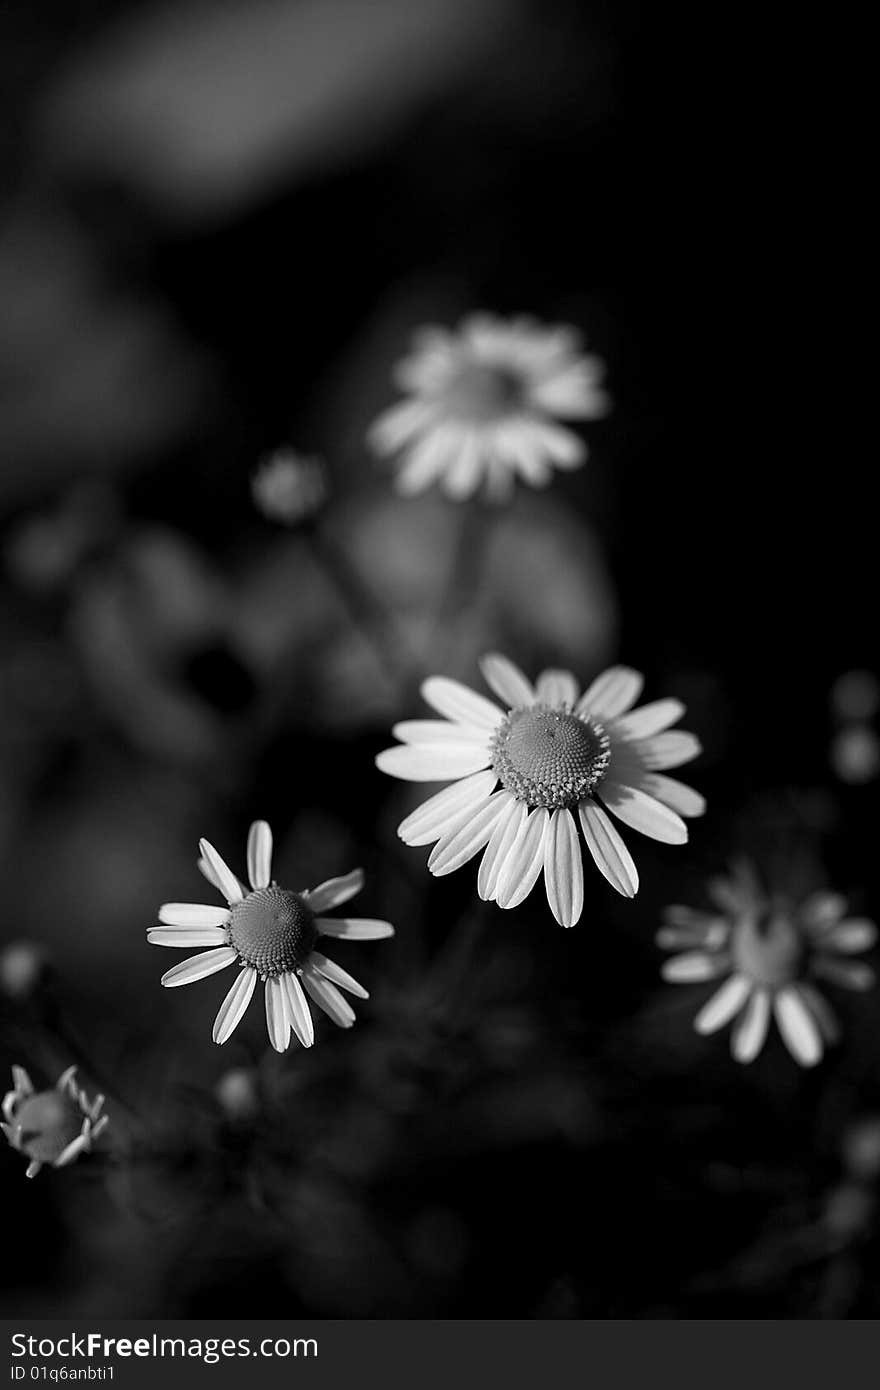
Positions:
{"x": 220, "y": 226}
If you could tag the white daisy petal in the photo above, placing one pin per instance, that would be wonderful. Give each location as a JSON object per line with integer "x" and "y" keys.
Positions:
{"x": 724, "y": 1004}
{"x": 507, "y": 680}
{"x": 427, "y": 460}
{"x": 524, "y": 861}
{"x": 522, "y": 453}
{"x": 428, "y": 731}
{"x": 231, "y": 1011}
{"x": 850, "y": 974}
{"x": 72, "y": 1151}
{"x": 433, "y": 763}
{"x": 298, "y": 1014}
{"x": 21, "y": 1081}
{"x": 328, "y": 998}
{"x": 612, "y": 693}
{"x": 563, "y": 868}
{"x": 228, "y": 883}
{"x": 458, "y": 846}
{"x": 354, "y": 928}
{"x": 641, "y": 812}
{"x": 464, "y": 474}
{"x": 611, "y": 856}
{"x": 197, "y": 967}
{"x": 207, "y": 872}
{"x": 259, "y": 854}
{"x": 504, "y": 836}
{"x": 691, "y": 918}
{"x": 748, "y": 1036}
{"x": 277, "y": 1022}
{"x": 557, "y": 688}
{"x": 693, "y": 967}
{"x": 397, "y": 425}
{"x": 822, "y": 911}
{"x": 799, "y": 1029}
{"x": 571, "y": 394}
{"x": 461, "y": 704}
{"x": 187, "y": 936}
{"x": 669, "y": 750}
{"x": 674, "y": 794}
{"x": 852, "y": 935}
{"x": 193, "y": 915}
{"x": 710, "y": 936}
{"x": 566, "y": 449}
{"x": 335, "y": 891}
{"x": 445, "y": 809}
{"x": 821, "y": 1011}
{"x": 337, "y": 975}
{"x": 649, "y": 719}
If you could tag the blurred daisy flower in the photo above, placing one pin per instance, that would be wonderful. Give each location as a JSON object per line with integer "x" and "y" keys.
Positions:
{"x": 483, "y": 405}
{"x": 271, "y": 933}
{"x": 557, "y": 754}
{"x": 51, "y": 1126}
{"x": 288, "y": 487}
{"x": 855, "y": 754}
{"x": 22, "y": 965}
{"x": 771, "y": 951}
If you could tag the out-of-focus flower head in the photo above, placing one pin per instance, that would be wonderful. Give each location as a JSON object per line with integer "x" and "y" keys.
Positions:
{"x": 237, "y": 1094}
{"x": 288, "y": 487}
{"x": 855, "y": 754}
{"x": 483, "y": 405}
{"x": 271, "y": 933}
{"x": 558, "y": 753}
{"x": 772, "y": 950}
{"x": 51, "y": 1126}
{"x": 21, "y": 967}
{"x": 861, "y": 1149}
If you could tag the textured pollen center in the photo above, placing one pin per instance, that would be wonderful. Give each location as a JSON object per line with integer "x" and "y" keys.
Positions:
{"x": 550, "y": 757}
{"x": 273, "y": 930}
{"x": 480, "y": 393}
{"x": 770, "y": 952}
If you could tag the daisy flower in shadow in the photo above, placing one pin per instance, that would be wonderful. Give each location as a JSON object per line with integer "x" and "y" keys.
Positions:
{"x": 483, "y": 406}
{"x": 563, "y": 758}
{"x": 271, "y": 933}
{"x": 54, "y": 1126}
{"x": 771, "y": 951}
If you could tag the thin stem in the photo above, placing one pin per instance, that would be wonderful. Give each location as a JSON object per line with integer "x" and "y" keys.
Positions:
{"x": 369, "y": 615}
{"x": 466, "y": 567}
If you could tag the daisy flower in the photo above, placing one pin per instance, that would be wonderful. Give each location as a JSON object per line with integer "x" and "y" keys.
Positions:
{"x": 561, "y": 757}
{"x": 771, "y": 952}
{"x": 51, "y": 1126}
{"x": 483, "y": 405}
{"x": 272, "y": 933}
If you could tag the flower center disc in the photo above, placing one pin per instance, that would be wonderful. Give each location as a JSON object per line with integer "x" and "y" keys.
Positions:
{"x": 549, "y": 757}
{"x": 49, "y": 1122}
{"x": 273, "y": 930}
{"x": 480, "y": 393}
{"x": 770, "y": 953}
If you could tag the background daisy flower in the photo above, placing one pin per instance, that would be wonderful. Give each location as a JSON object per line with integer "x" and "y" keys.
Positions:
{"x": 772, "y": 952}
{"x": 271, "y": 933}
{"x": 558, "y": 754}
{"x": 51, "y": 1126}
{"x": 483, "y": 405}
{"x": 288, "y": 487}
